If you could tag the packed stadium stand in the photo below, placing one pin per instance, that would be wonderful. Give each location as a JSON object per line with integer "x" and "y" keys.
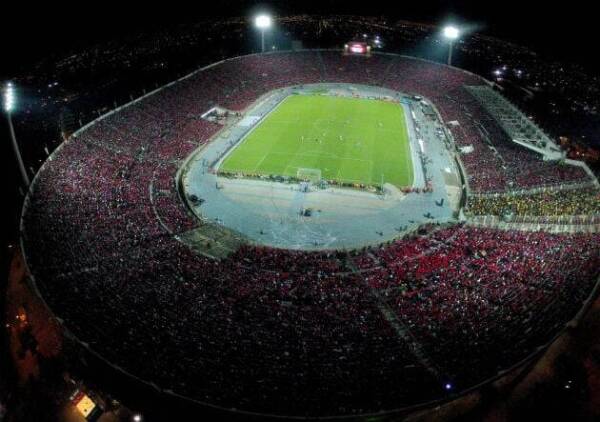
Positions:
{"x": 274, "y": 331}
{"x": 584, "y": 201}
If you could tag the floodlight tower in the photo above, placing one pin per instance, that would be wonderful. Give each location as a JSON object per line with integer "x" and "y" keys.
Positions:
{"x": 262, "y": 22}
{"x": 451, "y": 33}
{"x": 9, "y": 106}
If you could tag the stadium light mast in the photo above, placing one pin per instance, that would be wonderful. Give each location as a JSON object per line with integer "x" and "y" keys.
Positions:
{"x": 451, "y": 33}
{"x": 9, "y": 105}
{"x": 263, "y": 22}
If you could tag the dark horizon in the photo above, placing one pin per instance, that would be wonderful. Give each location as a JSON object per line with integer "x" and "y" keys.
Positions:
{"x": 556, "y": 33}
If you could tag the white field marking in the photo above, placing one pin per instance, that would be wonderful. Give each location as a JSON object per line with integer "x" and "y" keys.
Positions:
{"x": 260, "y": 162}
{"x": 287, "y": 122}
{"x": 328, "y": 155}
{"x": 288, "y": 167}
{"x": 365, "y": 180}
{"x": 285, "y": 170}
{"x": 371, "y": 172}
{"x": 352, "y": 180}
{"x": 243, "y": 139}
{"x": 315, "y": 125}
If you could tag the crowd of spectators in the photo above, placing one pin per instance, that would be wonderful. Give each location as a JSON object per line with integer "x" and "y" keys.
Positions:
{"x": 571, "y": 202}
{"x": 496, "y": 164}
{"x": 477, "y": 291}
{"x": 277, "y": 331}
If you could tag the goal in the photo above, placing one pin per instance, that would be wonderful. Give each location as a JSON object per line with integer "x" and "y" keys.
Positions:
{"x": 310, "y": 175}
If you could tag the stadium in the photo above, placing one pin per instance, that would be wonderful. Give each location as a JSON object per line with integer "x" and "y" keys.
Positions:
{"x": 272, "y": 229}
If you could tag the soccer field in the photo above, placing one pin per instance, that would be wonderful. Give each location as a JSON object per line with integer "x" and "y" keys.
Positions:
{"x": 348, "y": 139}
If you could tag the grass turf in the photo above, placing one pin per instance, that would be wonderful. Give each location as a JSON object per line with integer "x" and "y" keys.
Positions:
{"x": 350, "y": 140}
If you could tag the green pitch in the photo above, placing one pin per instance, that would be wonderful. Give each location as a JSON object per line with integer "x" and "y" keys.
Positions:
{"x": 349, "y": 140}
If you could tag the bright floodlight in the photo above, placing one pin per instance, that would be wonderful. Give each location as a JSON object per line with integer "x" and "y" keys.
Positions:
{"x": 451, "y": 32}
{"x": 9, "y": 97}
{"x": 263, "y": 21}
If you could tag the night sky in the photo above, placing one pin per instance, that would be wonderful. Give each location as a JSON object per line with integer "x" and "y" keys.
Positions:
{"x": 564, "y": 30}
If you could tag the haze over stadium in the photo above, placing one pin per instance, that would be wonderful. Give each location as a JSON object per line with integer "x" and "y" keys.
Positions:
{"x": 317, "y": 217}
